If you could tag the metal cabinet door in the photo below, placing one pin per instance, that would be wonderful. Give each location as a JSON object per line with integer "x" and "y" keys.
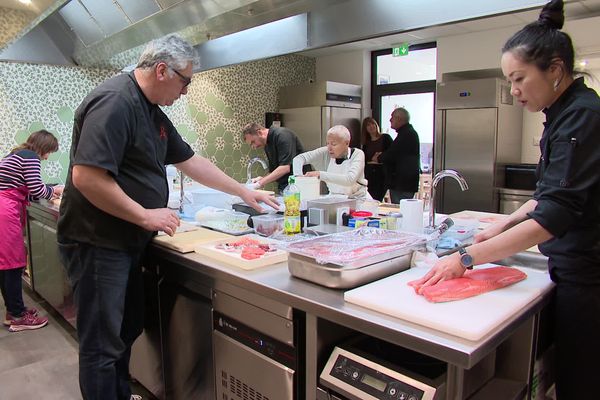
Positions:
{"x": 470, "y": 149}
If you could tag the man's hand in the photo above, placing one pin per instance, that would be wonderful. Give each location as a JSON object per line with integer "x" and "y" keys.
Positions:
{"x": 253, "y": 198}
{"x": 161, "y": 219}
{"x": 316, "y": 174}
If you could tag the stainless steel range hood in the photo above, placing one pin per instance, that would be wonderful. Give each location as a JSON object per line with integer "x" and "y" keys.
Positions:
{"x": 111, "y": 33}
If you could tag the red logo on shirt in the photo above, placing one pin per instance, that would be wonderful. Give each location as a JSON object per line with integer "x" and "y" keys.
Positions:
{"x": 163, "y": 132}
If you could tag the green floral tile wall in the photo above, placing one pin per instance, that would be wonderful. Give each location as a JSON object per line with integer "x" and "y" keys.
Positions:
{"x": 218, "y": 104}
{"x": 11, "y": 23}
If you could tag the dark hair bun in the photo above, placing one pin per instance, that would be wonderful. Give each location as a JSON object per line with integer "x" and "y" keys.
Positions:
{"x": 552, "y": 15}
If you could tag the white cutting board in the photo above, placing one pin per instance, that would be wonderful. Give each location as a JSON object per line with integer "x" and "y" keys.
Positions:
{"x": 471, "y": 318}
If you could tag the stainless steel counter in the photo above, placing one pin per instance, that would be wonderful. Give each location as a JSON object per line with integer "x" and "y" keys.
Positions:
{"x": 324, "y": 307}
{"x": 276, "y": 283}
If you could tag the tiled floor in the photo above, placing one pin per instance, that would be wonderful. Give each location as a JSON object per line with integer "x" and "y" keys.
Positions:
{"x": 41, "y": 364}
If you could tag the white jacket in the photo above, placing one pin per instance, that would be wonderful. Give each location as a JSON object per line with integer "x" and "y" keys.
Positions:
{"x": 347, "y": 178}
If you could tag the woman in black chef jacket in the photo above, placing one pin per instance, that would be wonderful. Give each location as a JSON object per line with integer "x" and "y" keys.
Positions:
{"x": 564, "y": 215}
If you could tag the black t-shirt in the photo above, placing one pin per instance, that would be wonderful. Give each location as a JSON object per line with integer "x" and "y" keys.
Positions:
{"x": 281, "y": 148}
{"x": 117, "y": 129}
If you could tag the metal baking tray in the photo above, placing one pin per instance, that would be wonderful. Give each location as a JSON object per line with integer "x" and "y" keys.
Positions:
{"x": 340, "y": 277}
{"x": 389, "y": 256}
{"x": 357, "y": 248}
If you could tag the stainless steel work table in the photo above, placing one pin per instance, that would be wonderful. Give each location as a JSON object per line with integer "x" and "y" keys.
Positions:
{"x": 275, "y": 282}
{"x": 321, "y": 303}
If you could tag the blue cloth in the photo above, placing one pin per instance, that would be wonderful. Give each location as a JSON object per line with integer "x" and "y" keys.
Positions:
{"x": 448, "y": 243}
{"x": 108, "y": 292}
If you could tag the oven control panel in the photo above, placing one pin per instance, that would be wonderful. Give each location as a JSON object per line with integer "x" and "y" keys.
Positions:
{"x": 359, "y": 378}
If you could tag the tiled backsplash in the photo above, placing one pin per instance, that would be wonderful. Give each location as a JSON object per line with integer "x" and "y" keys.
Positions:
{"x": 218, "y": 104}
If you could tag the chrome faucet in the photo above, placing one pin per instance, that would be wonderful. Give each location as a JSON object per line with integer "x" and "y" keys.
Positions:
{"x": 438, "y": 177}
{"x": 249, "y": 167}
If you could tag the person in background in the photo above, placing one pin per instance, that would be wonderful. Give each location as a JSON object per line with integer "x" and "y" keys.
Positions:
{"x": 337, "y": 164}
{"x": 20, "y": 180}
{"x": 115, "y": 200}
{"x": 373, "y": 144}
{"x": 281, "y": 146}
{"x": 564, "y": 215}
{"x": 401, "y": 161}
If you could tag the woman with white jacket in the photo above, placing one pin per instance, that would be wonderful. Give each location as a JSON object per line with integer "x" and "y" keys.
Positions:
{"x": 340, "y": 166}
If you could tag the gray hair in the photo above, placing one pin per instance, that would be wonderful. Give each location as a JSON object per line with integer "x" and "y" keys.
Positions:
{"x": 171, "y": 49}
{"x": 403, "y": 111}
{"x": 340, "y": 131}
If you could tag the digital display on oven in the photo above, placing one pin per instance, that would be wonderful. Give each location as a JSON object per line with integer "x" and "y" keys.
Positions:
{"x": 373, "y": 382}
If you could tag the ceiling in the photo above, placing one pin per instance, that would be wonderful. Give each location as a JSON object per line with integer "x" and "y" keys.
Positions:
{"x": 33, "y": 5}
{"x": 99, "y": 29}
{"x": 573, "y": 10}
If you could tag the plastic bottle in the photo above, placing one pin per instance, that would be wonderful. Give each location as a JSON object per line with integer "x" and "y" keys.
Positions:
{"x": 291, "y": 200}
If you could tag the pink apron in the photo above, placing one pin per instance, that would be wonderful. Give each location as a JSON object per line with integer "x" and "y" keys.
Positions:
{"x": 12, "y": 221}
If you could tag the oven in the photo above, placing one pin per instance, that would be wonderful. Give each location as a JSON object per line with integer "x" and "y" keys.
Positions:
{"x": 255, "y": 351}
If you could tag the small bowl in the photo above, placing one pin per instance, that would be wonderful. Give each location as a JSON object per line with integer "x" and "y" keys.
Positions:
{"x": 267, "y": 224}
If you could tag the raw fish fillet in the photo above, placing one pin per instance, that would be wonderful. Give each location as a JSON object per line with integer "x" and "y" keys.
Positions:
{"x": 472, "y": 283}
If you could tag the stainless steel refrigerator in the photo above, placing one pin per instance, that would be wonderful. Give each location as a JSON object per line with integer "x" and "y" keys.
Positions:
{"x": 311, "y": 109}
{"x": 478, "y": 131}
{"x": 312, "y": 123}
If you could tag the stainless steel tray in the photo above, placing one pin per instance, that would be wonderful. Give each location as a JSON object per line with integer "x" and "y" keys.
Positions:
{"x": 343, "y": 277}
{"x": 357, "y": 248}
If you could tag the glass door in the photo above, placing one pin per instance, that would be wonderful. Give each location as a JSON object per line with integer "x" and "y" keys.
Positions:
{"x": 421, "y": 109}
{"x": 407, "y": 81}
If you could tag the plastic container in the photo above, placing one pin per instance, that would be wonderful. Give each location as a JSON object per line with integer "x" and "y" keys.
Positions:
{"x": 291, "y": 200}
{"x": 309, "y": 187}
{"x": 206, "y": 196}
{"x": 232, "y": 222}
{"x": 268, "y": 224}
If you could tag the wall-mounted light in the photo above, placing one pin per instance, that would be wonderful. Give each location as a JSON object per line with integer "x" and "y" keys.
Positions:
{"x": 26, "y": 2}
{"x": 583, "y": 63}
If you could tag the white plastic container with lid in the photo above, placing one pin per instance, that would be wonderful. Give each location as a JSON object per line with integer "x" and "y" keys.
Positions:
{"x": 309, "y": 187}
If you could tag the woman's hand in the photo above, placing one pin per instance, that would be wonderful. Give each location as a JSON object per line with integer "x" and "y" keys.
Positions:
{"x": 489, "y": 232}
{"x": 444, "y": 269}
{"x": 375, "y": 157}
{"x": 57, "y": 191}
{"x": 313, "y": 173}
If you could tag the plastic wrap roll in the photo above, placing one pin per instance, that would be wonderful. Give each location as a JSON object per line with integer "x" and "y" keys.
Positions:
{"x": 412, "y": 215}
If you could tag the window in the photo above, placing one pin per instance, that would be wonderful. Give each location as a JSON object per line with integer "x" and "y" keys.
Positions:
{"x": 409, "y": 82}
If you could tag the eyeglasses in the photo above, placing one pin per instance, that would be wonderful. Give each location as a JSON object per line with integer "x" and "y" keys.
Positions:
{"x": 186, "y": 81}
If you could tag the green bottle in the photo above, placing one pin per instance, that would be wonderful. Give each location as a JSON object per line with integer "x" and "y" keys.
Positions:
{"x": 291, "y": 200}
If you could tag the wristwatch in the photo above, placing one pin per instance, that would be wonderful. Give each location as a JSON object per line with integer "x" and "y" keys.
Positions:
{"x": 466, "y": 260}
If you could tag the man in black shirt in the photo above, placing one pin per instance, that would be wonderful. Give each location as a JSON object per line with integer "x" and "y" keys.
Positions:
{"x": 402, "y": 160}
{"x": 115, "y": 200}
{"x": 281, "y": 146}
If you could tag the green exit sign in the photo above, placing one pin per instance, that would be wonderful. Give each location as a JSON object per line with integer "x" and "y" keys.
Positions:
{"x": 400, "y": 50}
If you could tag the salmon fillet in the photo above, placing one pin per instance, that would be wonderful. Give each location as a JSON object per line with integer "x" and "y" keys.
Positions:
{"x": 472, "y": 283}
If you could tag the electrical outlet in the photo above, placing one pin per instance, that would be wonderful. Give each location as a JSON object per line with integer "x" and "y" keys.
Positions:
{"x": 536, "y": 140}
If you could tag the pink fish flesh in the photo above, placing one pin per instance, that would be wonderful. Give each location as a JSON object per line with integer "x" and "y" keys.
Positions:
{"x": 472, "y": 283}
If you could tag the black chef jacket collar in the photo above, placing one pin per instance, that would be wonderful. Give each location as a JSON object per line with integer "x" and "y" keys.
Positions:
{"x": 552, "y": 111}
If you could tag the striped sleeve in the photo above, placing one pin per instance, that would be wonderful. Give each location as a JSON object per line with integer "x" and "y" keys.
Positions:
{"x": 33, "y": 180}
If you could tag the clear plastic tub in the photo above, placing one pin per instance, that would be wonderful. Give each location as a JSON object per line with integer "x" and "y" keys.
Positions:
{"x": 267, "y": 224}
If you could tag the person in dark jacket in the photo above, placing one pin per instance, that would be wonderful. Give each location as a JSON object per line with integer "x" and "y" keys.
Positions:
{"x": 373, "y": 144}
{"x": 563, "y": 217}
{"x": 281, "y": 146}
{"x": 401, "y": 160}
